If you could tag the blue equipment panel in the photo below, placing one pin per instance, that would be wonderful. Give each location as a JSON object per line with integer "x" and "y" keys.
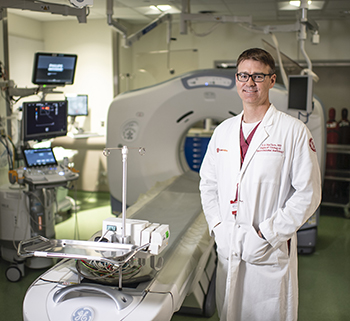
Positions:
{"x": 195, "y": 148}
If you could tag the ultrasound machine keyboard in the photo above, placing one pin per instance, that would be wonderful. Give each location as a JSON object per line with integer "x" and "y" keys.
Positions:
{"x": 42, "y": 167}
{"x": 48, "y": 174}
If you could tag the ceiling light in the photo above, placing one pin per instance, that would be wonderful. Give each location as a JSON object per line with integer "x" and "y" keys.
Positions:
{"x": 295, "y": 5}
{"x": 164, "y": 7}
{"x": 161, "y": 7}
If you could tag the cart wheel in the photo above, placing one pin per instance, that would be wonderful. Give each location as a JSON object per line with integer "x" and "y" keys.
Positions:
{"x": 13, "y": 273}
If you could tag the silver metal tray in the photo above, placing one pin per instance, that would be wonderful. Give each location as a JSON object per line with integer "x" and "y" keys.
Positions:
{"x": 115, "y": 253}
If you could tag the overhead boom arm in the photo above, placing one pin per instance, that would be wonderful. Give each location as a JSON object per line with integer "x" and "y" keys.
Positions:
{"x": 129, "y": 40}
{"x": 41, "y": 6}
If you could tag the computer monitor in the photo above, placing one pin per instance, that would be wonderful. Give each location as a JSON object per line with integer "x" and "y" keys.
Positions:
{"x": 77, "y": 105}
{"x": 300, "y": 93}
{"x": 44, "y": 120}
{"x": 54, "y": 69}
{"x": 36, "y": 157}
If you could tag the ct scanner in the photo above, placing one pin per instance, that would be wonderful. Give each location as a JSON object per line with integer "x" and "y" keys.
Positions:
{"x": 162, "y": 189}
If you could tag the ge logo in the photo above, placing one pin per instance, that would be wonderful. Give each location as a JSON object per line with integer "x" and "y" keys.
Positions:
{"x": 83, "y": 314}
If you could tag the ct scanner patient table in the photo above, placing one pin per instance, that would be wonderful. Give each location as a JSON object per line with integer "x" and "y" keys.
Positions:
{"x": 186, "y": 278}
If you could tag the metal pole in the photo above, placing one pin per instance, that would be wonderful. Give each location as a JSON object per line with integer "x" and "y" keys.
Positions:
{"x": 7, "y": 67}
{"x": 120, "y": 286}
{"x": 125, "y": 157}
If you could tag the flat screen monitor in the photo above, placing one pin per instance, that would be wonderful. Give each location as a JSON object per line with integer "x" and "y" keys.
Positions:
{"x": 300, "y": 92}
{"x": 77, "y": 105}
{"x": 36, "y": 157}
{"x": 54, "y": 69}
{"x": 44, "y": 120}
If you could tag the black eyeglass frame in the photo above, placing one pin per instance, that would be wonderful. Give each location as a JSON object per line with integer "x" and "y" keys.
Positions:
{"x": 238, "y": 74}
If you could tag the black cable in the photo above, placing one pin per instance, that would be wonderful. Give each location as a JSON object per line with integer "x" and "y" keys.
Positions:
{"x": 14, "y": 151}
{"x": 9, "y": 156}
{"x": 11, "y": 164}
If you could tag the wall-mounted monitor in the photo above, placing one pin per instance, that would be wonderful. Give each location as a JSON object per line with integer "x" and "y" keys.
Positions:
{"x": 77, "y": 105}
{"x": 54, "y": 69}
{"x": 44, "y": 119}
{"x": 300, "y": 92}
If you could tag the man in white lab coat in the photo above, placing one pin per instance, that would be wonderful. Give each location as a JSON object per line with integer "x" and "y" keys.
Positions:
{"x": 260, "y": 182}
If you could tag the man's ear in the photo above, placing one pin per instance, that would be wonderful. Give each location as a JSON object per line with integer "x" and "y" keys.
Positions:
{"x": 273, "y": 80}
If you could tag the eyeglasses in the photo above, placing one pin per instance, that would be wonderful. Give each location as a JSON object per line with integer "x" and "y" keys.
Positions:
{"x": 244, "y": 77}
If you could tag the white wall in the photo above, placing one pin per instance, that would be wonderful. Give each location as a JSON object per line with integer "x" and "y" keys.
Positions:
{"x": 21, "y": 59}
{"x": 92, "y": 42}
{"x": 25, "y": 27}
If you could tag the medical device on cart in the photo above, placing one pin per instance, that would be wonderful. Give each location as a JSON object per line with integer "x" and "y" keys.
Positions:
{"x": 32, "y": 198}
{"x": 28, "y": 206}
{"x": 132, "y": 268}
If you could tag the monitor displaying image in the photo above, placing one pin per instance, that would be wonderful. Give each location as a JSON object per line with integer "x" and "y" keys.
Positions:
{"x": 54, "y": 69}
{"x": 77, "y": 105}
{"x": 34, "y": 157}
{"x": 44, "y": 120}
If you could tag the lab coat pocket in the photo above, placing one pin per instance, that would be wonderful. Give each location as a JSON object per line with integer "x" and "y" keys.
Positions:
{"x": 256, "y": 250}
{"x": 274, "y": 161}
{"x": 222, "y": 239}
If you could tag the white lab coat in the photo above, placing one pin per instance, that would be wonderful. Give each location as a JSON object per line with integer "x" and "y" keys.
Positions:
{"x": 279, "y": 188}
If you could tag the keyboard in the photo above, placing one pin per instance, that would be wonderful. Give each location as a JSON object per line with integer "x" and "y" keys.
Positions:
{"x": 48, "y": 175}
{"x": 56, "y": 177}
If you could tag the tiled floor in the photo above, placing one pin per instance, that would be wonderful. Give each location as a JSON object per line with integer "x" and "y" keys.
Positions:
{"x": 324, "y": 276}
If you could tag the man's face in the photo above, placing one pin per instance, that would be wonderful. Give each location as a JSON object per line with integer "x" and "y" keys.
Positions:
{"x": 251, "y": 93}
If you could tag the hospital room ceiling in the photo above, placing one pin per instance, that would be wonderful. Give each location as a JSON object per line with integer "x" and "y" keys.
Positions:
{"x": 139, "y": 11}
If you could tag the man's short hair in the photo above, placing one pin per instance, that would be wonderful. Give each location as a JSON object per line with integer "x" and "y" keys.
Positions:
{"x": 258, "y": 54}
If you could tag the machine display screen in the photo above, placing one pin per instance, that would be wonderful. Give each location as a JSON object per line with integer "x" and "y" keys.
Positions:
{"x": 300, "y": 93}
{"x": 39, "y": 157}
{"x": 77, "y": 105}
{"x": 44, "y": 120}
{"x": 54, "y": 69}
{"x": 208, "y": 81}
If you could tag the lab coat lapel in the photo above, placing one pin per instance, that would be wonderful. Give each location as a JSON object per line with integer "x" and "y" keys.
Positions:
{"x": 235, "y": 158}
{"x": 260, "y": 135}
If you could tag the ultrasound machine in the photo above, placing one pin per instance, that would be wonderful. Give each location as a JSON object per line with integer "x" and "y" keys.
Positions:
{"x": 42, "y": 168}
{"x": 29, "y": 202}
